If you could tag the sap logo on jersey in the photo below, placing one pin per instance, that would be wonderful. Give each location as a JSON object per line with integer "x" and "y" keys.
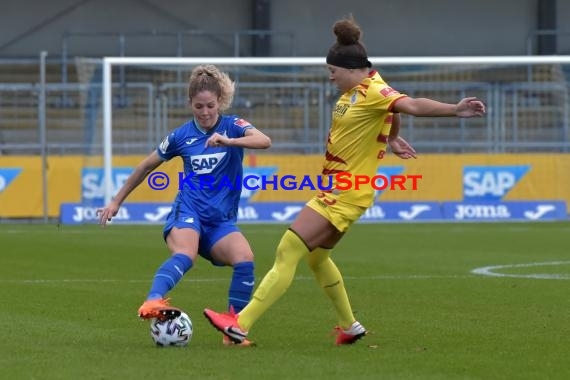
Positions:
{"x": 206, "y": 163}
{"x": 490, "y": 183}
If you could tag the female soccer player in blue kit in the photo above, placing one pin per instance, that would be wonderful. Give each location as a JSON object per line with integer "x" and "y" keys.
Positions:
{"x": 203, "y": 217}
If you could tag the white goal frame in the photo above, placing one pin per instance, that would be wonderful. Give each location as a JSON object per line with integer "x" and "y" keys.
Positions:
{"x": 109, "y": 62}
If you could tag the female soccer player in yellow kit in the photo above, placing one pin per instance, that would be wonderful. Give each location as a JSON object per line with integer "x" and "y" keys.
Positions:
{"x": 365, "y": 121}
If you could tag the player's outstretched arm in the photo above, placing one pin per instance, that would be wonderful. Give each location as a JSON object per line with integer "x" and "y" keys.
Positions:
{"x": 467, "y": 107}
{"x": 151, "y": 162}
{"x": 470, "y": 107}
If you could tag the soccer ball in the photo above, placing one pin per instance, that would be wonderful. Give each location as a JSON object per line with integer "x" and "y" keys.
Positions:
{"x": 172, "y": 332}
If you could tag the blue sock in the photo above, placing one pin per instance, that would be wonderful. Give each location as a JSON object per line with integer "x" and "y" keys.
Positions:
{"x": 168, "y": 275}
{"x": 241, "y": 286}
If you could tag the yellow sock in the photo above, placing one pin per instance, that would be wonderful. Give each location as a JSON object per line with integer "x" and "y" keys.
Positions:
{"x": 290, "y": 251}
{"x": 330, "y": 279}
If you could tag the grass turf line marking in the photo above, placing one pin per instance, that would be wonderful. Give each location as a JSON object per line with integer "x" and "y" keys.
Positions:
{"x": 483, "y": 271}
{"x": 490, "y": 271}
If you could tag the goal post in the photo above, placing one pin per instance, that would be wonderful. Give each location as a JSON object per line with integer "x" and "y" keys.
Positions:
{"x": 109, "y": 62}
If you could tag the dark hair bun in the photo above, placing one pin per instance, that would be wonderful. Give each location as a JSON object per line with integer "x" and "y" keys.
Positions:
{"x": 347, "y": 32}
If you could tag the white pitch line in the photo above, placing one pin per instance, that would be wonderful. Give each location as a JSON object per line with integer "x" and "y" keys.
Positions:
{"x": 485, "y": 271}
{"x": 490, "y": 271}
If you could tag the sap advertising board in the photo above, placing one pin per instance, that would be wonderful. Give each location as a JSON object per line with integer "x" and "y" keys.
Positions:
{"x": 490, "y": 183}
{"x": 7, "y": 175}
{"x": 484, "y": 189}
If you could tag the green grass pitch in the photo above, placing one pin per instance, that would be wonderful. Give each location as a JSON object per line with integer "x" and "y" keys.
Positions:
{"x": 70, "y": 294}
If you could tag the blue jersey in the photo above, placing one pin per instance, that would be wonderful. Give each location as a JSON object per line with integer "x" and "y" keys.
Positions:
{"x": 211, "y": 184}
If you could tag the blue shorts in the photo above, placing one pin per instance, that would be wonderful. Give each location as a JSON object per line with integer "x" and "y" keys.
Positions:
{"x": 209, "y": 233}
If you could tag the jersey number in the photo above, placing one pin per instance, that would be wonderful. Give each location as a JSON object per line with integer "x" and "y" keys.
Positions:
{"x": 329, "y": 202}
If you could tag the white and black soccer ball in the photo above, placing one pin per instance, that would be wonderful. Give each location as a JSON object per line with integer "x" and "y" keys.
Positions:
{"x": 172, "y": 332}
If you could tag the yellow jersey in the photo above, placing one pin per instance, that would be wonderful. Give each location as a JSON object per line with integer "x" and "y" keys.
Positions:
{"x": 358, "y": 137}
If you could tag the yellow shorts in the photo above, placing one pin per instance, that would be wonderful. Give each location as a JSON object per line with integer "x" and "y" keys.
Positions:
{"x": 340, "y": 214}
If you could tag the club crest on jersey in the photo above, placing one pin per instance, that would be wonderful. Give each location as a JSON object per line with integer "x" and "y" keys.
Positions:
{"x": 206, "y": 163}
{"x": 353, "y": 98}
{"x": 388, "y": 91}
{"x": 242, "y": 123}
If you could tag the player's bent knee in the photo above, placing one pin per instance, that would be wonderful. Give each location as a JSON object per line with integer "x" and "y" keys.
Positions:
{"x": 291, "y": 249}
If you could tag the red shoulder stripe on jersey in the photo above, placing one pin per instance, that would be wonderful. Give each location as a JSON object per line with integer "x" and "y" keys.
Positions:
{"x": 332, "y": 157}
{"x": 333, "y": 171}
